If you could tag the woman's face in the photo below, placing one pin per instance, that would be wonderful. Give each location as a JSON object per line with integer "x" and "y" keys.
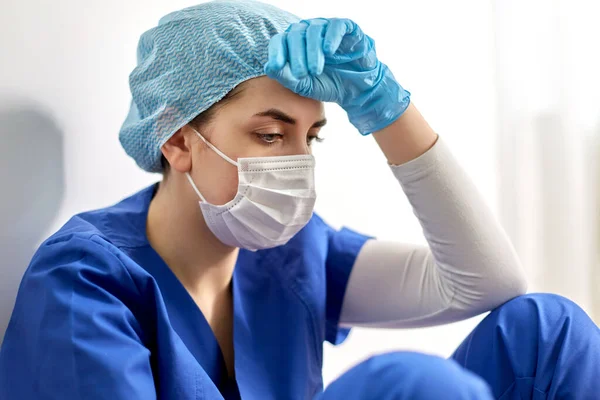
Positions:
{"x": 264, "y": 119}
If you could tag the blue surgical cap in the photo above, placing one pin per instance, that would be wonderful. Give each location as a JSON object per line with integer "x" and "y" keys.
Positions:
{"x": 190, "y": 61}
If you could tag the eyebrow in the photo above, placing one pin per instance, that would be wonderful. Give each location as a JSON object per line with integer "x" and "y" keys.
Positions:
{"x": 285, "y": 118}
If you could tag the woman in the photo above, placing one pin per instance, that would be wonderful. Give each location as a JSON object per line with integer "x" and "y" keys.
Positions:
{"x": 157, "y": 297}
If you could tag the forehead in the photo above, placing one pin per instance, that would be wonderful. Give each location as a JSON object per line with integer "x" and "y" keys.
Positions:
{"x": 264, "y": 93}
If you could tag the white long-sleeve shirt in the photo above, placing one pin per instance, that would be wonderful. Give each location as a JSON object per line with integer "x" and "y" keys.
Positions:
{"x": 469, "y": 266}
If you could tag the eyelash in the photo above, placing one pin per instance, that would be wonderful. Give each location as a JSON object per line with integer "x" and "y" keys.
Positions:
{"x": 264, "y": 136}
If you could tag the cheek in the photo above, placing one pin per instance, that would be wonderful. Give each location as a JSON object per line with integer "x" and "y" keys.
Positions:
{"x": 223, "y": 185}
{"x": 217, "y": 180}
{"x": 229, "y": 186}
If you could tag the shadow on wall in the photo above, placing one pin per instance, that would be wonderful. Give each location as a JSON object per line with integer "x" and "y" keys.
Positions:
{"x": 32, "y": 189}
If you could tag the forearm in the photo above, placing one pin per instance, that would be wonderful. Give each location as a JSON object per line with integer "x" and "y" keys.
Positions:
{"x": 468, "y": 267}
{"x": 407, "y": 138}
{"x": 462, "y": 233}
{"x": 472, "y": 252}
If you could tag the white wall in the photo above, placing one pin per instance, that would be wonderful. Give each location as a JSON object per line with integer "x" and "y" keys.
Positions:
{"x": 548, "y": 142}
{"x": 64, "y": 94}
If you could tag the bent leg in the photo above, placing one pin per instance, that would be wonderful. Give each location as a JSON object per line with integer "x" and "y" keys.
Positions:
{"x": 537, "y": 346}
{"x": 404, "y": 376}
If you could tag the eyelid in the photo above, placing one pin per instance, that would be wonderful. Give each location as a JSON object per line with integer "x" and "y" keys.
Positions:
{"x": 276, "y": 137}
{"x": 269, "y": 133}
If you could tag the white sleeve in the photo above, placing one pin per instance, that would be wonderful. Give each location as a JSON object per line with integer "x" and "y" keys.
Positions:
{"x": 469, "y": 267}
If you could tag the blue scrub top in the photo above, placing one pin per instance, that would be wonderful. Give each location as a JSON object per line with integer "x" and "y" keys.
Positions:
{"x": 99, "y": 315}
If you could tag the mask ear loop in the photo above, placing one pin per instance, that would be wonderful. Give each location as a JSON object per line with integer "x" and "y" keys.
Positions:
{"x": 219, "y": 152}
{"x": 187, "y": 174}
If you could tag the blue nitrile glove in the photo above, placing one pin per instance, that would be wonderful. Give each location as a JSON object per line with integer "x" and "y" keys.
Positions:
{"x": 333, "y": 60}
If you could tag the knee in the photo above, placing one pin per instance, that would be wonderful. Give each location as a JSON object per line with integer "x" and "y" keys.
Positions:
{"x": 407, "y": 375}
{"x": 420, "y": 376}
{"x": 540, "y": 307}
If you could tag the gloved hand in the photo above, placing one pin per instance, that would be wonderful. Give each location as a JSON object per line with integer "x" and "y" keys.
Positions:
{"x": 333, "y": 60}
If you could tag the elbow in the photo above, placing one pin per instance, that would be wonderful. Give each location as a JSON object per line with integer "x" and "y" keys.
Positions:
{"x": 519, "y": 284}
{"x": 497, "y": 291}
{"x": 511, "y": 285}
{"x": 509, "y": 275}
{"x": 507, "y": 283}
{"x": 516, "y": 281}
{"x": 514, "y": 287}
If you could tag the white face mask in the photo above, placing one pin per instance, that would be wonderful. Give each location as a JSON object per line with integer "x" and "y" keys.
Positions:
{"x": 274, "y": 201}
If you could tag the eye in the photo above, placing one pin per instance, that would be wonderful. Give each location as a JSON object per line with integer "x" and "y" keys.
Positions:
{"x": 269, "y": 138}
{"x": 313, "y": 138}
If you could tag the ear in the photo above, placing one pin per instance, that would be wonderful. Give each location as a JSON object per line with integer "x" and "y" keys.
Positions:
{"x": 178, "y": 150}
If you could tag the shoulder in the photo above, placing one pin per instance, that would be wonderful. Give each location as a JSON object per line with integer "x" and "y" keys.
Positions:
{"x": 319, "y": 238}
{"x": 78, "y": 305}
{"x": 317, "y": 226}
{"x": 93, "y": 247}
{"x": 332, "y": 233}
{"x": 122, "y": 224}
{"x": 72, "y": 262}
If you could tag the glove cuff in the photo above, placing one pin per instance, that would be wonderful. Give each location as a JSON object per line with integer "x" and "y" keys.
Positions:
{"x": 383, "y": 105}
